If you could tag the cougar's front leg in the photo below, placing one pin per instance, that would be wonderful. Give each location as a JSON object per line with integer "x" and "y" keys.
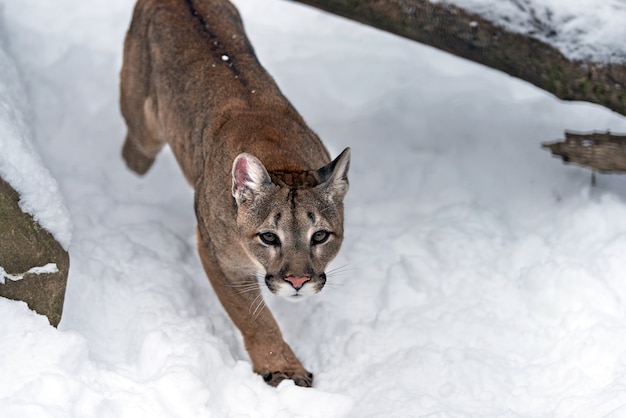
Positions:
{"x": 271, "y": 356}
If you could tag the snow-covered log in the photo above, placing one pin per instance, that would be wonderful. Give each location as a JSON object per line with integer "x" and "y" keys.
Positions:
{"x": 527, "y": 55}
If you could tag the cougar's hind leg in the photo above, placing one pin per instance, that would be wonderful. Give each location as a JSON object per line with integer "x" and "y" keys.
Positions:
{"x": 142, "y": 140}
{"x": 135, "y": 158}
{"x": 137, "y": 101}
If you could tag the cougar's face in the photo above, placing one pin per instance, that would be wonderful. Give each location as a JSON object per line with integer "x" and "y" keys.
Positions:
{"x": 292, "y": 235}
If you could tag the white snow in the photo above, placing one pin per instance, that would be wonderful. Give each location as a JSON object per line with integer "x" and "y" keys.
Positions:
{"x": 20, "y": 163}
{"x": 479, "y": 278}
{"x": 47, "y": 268}
{"x": 582, "y": 30}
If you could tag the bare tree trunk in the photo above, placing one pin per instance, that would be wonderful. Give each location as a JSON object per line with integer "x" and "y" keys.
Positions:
{"x": 470, "y": 36}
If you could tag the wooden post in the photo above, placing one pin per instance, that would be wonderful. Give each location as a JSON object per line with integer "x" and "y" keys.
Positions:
{"x": 601, "y": 151}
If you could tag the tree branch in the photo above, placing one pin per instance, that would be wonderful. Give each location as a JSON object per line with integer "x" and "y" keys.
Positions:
{"x": 470, "y": 36}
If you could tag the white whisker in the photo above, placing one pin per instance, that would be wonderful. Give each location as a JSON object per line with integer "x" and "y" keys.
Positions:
{"x": 259, "y": 308}
{"x": 339, "y": 270}
{"x": 331, "y": 284}
{"x": 254, "y": 302}
{"x": 243, "y": 284}
{"x": 248, "y": 290}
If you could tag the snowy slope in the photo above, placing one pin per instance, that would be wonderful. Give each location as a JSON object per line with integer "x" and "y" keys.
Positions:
{"x": 480, "y": 277}
{"x": 20, "y": 162}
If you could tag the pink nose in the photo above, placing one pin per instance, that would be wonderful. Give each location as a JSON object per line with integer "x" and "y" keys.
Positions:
{"x": 297, "y": 282}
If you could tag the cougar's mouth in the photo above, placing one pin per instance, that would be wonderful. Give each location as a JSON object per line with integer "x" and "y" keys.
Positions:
{"x": 295, "y": 289}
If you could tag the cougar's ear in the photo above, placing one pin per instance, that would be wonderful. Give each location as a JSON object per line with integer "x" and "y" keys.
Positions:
{"x": 334, "y": 176}
{"x": 249, "y": 177}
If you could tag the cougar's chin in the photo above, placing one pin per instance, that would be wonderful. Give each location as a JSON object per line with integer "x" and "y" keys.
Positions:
{"x": 295, "y": 296}
{"x": 286, "y": 289}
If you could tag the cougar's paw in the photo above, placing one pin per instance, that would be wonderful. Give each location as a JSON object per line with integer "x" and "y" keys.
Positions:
{"x": 300, "y": 378}
{"x": 135, "y": 159}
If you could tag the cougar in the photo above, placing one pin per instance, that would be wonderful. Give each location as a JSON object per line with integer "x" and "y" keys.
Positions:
{"x": 267, "y": 197}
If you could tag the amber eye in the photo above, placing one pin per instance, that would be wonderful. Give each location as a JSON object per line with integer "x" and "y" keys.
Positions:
{"x": 320, "y": 237}
{"x": 269, "y": 238}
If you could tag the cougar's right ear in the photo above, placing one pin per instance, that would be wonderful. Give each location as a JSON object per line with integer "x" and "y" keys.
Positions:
{"x": 249, "y": 177}
{"x": 334, "y": 176}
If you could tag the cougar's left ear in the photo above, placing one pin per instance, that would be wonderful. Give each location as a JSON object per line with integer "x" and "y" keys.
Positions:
{"x": 334, "y": 176}
{"x": 249, "y": 178}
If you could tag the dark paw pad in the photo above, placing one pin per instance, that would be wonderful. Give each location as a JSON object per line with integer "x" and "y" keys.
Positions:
{"x": 304, "y": 378}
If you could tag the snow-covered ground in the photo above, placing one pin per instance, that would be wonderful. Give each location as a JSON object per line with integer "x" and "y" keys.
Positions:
{"x": 482, "y": 277}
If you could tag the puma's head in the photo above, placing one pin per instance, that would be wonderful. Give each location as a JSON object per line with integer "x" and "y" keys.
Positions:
{"x": 291, "y": 229}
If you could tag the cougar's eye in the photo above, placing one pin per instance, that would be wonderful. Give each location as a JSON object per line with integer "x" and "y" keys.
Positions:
{"x": 320, "y": 237}
{"x": 269, "y": 238}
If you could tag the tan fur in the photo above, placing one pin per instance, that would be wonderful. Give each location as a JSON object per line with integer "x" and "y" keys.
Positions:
{"x": 190, "y": 79}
